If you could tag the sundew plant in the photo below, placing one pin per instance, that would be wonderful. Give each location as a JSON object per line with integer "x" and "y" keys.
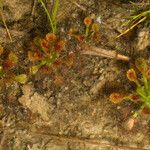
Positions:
{"x": 141, "y": 95}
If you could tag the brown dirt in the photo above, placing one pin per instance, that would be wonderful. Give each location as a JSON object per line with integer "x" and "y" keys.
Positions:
{"x": 41, "y": 115}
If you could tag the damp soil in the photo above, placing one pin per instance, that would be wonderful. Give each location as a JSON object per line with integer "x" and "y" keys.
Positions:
{"x": 74, "y": 113}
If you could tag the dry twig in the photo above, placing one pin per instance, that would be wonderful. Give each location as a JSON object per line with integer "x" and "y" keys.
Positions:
{"x": 91, "y": 50}
{"x": 5, "y": 25}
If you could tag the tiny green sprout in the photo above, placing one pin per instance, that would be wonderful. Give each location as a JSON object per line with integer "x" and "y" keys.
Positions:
{"x": 142, "y": 93}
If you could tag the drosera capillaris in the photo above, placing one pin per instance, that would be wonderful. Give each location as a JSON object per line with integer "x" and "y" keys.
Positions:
{"x": 141, "y": 95}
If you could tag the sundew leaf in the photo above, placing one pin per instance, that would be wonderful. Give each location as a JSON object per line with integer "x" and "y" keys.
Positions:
{"x": 131, "y": 75}
{"x": 51, "y": 37}
{"x": 22, "y": 78}
{"x": 116, "y": 98}
{"x": 34, "y": 56}
{"x": 59, "y": 46}
{"x": 44, "y": 46}
{"x": 13, "y": 57}
{"x": 34, "y": 69}
{"x": 134, "y": 97}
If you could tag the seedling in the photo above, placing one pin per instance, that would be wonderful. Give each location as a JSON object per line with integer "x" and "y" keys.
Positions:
{"x": 6, "y": 68}
{"x": 142, "y": 93}
{"x": 52, "y": 17}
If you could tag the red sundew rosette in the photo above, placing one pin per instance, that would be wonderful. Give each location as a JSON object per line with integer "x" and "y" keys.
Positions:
{"x": 131, "y": 75}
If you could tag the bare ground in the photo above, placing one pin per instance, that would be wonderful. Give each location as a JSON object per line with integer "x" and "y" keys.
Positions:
{"x": 78, "y": 114}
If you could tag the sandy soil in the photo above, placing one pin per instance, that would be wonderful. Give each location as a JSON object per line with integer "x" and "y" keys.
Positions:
{"x": 76, "y": 114}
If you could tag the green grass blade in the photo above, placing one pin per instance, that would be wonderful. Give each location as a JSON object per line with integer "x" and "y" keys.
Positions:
{"x": 54, "y": 13}
{"x": 48, "y": 15}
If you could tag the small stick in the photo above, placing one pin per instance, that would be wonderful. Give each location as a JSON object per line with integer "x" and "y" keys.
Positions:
{"x": 91, "y": 50}
{"x": 5, "y": 25}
